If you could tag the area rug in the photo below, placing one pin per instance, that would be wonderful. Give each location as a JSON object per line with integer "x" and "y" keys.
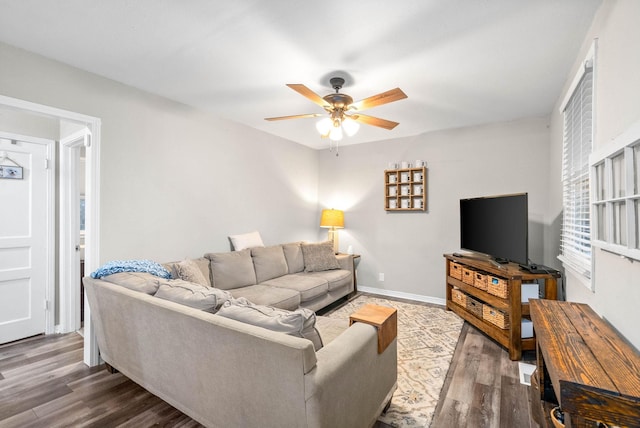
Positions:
{"x": 427, "y": 338}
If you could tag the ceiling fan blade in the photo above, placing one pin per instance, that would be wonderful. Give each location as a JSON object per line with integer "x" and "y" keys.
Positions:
{"x": 375, "y": 121}
{"x": 306, "y": 92}
{"x": 380, "y": 99}
{"x": 295, "y": 116}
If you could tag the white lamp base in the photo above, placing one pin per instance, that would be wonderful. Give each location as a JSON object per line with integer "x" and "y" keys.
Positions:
{"x": 333, "y": 237}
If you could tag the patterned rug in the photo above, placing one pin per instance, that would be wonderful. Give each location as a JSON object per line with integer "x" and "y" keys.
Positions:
{"x": 427, "y": 338}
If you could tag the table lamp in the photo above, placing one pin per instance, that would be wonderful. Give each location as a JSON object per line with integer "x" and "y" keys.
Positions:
{"x": 332, "y": 219}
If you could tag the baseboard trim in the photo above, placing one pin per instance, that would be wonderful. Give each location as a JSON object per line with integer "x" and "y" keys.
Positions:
{"x": 402, "y": 295}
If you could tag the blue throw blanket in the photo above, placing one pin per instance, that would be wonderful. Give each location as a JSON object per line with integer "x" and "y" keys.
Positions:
{"x": 117, "y": 266}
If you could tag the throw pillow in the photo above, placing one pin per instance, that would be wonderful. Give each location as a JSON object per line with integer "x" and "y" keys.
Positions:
{"x": 232, "y": 270}
{"x": 189, "y": 271}
{"x": 299, "y": 323}
{"x": 319, "y": 257}
{"x": 194, "y": 295}
{"x": 246, "y": 240}
{"x": 269, "y": 262}
{"x": 138, "y": 281}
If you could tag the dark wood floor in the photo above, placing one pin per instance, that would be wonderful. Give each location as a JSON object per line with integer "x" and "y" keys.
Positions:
{"x": 483, "y": 386}
{"x": 43, "y": 383}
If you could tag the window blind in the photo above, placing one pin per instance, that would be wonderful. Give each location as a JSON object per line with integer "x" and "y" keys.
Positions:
{"x": 575, "y": 240}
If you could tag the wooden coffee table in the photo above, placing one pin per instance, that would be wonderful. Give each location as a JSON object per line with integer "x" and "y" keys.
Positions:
{"x": 383, "y": 318}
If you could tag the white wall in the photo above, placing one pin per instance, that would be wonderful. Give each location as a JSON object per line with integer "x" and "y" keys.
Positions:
{"x": 617, "y": 83}
{"x": 175, "y": 181}
{"x": 18, "y": 122}
{"x": 407, "y": 247}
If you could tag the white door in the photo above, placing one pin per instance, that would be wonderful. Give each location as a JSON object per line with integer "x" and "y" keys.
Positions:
{"x": 25, "y": 261}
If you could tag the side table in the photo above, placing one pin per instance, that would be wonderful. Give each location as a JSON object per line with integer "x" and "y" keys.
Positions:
{"x": 383, "y": 318}
{"x": 356, "y": 260}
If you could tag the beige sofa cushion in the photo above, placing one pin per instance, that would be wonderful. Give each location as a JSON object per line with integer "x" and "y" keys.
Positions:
{"x": 293, "y": 254}
{"x": 191, "y": 294}
{"x": 186, "y": 272}
{"x": 319, "y": 257}
{"x": 299, "y": 323}
{"x": 138, "y": 281}
{"x": 189, "y": 271}
{"x": 261, "y": 294}
{"x": 336, "y": 278}
{"x": 232, "y": 269}
{"x": 308, "y": 286}
{"x": 269, "y": 262}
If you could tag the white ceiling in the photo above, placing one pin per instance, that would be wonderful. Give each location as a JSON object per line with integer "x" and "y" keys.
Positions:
{"x": 461, "y": 62}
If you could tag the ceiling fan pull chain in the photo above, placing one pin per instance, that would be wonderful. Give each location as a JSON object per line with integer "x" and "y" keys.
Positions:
{"x": 337, "y": 147}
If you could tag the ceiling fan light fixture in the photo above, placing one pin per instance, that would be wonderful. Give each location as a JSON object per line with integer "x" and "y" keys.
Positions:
{"x": 324, "y": 126}
{"x": 350, "y": 126}
{"x": 336, "y": 134}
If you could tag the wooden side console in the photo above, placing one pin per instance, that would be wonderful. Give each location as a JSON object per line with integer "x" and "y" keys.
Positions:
{"x": 584, "y": 366}
{"x": 384, "y": 319}
{"x": 510, "y": 308}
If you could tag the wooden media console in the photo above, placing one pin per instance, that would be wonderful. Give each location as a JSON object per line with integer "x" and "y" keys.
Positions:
{"x": 490, "y": 297}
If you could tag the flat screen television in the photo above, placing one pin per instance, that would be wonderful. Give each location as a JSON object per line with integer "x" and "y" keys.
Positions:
{"x": 496, "y": 226}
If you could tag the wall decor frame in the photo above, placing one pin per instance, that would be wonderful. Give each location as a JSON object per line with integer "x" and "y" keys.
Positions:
{"x": 11, "y": 172}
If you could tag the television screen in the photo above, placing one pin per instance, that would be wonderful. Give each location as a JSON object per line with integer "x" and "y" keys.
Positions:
{"x": 496, "y": 226}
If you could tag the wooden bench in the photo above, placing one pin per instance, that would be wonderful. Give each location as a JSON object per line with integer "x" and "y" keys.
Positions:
{"x": 583, "y": 365}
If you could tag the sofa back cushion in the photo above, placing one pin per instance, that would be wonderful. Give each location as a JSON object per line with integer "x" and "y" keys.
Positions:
{"x": 138, "y": 281}
{"x": 269, "y": 262}
{"x": 293, "y": 254}
{"x": 194, "y": 271}
{"x": 193, "y": 295}
{"x": 299, "y": 323}
{"x": 188, "y": 270}
{"x": 232, "y": 269}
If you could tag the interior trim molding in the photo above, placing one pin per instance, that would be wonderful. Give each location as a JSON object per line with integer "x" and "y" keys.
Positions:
{"x": 403, "y": 295}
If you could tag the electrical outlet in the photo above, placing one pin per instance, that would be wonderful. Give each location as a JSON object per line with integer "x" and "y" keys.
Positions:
{"x": 380, "y": 277}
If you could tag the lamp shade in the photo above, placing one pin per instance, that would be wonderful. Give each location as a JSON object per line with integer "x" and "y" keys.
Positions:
{"x": 332, "y": 218}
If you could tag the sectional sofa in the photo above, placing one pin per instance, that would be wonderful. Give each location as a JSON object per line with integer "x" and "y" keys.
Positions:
{"x": 286, "y": 276}
{"x": 226, "y": 373}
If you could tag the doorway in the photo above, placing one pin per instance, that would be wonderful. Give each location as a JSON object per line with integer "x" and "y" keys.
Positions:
{"x": 72, "y": 230}
{"x": 92, "y": 208}
{"x": 27, "y": 235}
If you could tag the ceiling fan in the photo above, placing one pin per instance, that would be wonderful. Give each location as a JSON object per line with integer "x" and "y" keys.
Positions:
{"x": 338, "y": 104}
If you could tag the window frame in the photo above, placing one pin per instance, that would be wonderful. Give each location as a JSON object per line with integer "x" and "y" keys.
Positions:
{"x": 580, "y": 268}
{"x": 626, "y": 145}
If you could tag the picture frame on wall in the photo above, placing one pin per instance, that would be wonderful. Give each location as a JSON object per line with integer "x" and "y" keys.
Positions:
{"x": 11, "y": 172}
